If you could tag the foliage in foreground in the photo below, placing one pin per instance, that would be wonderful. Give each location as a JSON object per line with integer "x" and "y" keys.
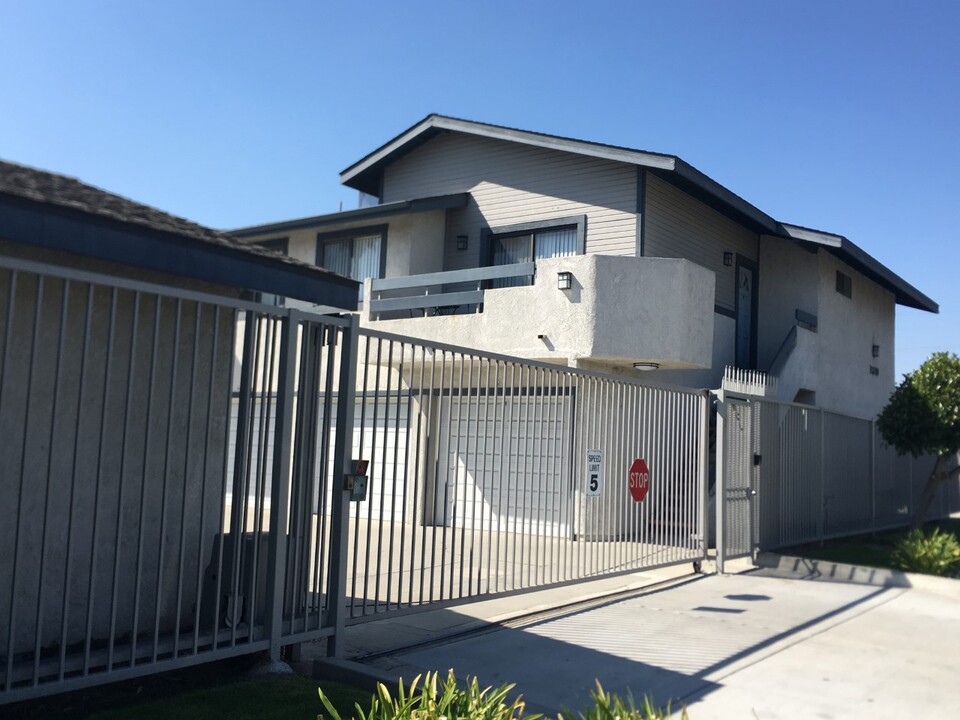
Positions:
{"x": 448, "y": 701}
{"x": 613, "y": 707}
{"x": 935, "y": 554}
{"x": 431, "y": 701}
{"x": 923, "y": 416}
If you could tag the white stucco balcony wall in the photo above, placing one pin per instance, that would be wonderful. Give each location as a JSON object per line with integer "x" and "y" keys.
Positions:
{"x": 619, "y": 310}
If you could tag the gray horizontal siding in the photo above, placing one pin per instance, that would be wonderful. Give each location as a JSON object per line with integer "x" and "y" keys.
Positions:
{"x": 512, "y": 184}
{"x": 677, "y": 225}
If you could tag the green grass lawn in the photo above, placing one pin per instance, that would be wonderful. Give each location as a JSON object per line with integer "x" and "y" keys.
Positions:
{"x": 868, "y": 550}
{"x": 209, "y": 691}
{"x": 286, "y": 697}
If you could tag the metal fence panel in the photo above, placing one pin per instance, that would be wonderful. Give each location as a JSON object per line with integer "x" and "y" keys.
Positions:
{"x": 477, "y": 482}
{"x": 141, "y": 432}
{"x": 818, "y": 475}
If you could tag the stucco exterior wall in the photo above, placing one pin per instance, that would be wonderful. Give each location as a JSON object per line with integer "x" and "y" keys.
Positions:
{"x": 619, "y": 311}
{"x": 789, "y": 281}
{"x": 835, "y": 360}
{"x": 848, "y": 328}
{"x": 414, "y": 243}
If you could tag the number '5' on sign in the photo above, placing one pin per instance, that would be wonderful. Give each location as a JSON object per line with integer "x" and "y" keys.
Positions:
{"x": 594, "y": 472}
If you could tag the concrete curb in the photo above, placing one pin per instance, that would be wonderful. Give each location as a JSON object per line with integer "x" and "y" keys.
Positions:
{"x": 798, "y": 568}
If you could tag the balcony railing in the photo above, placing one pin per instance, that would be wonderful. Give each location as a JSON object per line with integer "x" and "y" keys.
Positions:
{"x": 425, "y": 292}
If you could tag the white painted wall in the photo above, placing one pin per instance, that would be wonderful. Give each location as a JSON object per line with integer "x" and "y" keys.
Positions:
{"x": 619, "y": 310}
{"x": 847, "y": 330}
{"x": 834, "y": 361}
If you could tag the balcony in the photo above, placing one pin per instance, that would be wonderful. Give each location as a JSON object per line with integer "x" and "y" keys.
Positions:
{"x": 617, "y": 310}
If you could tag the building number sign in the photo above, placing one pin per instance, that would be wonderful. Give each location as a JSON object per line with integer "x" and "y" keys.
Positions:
{"x": 594, "y": 472}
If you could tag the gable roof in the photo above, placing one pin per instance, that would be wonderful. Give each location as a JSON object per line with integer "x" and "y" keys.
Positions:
{"x": 365, "y": 175}
{"x": 101, "y": 224}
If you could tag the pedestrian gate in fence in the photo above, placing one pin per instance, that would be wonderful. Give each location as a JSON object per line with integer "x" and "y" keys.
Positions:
{"x": 790, "y": 474}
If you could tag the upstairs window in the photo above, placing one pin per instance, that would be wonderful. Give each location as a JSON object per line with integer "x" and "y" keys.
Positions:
{"x": 357, "y": 254}
{"x": 844, "y": 284}
{"x": 534, "y": 241}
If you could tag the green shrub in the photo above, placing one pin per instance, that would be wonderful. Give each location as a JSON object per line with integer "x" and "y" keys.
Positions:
{"x": 447, "y": 701}
{"x": 613, "y": 707}
{"x": 935, "y": 554}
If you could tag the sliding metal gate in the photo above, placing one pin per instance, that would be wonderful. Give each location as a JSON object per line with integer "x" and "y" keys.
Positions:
{"x": 478, "y": 479}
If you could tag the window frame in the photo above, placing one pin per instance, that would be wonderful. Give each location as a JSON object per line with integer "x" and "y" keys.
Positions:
{"x": 844, "y": 284}
{"x": 325, "y": 238}
{"x": 488, "y": 235}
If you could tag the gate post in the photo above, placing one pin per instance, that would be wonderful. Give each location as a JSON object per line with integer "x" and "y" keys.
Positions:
{"x": 340, "y": 502}
{"x": 280, "y": 485}
{"x": 703, "y": 489}
{"x": 873, "y": 476}
{"x": 718, "y": 492}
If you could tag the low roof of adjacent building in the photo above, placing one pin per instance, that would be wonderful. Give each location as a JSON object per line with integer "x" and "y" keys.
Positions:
{"x": 60, "y": 212}
{"x": 366, "y": 175}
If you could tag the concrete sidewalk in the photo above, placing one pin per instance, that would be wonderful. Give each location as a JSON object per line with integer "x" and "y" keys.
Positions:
{"x": 763, "y": 643}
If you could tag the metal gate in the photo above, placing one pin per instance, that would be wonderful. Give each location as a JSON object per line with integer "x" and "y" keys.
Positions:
{"x": 143, "y": 429}
{"x": 790, "y": 474}
{"x": 737, "y": 478}
{"x": 478, "y": 475}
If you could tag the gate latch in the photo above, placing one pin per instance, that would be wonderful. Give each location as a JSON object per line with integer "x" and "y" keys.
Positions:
{"x": 356, "y": 482}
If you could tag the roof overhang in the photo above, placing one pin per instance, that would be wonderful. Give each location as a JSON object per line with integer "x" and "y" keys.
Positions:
{"x": 52, "y": 226}
{"x": 364, "y": 175}
{"x": 376, "y": 212}
{"x": 861, "y": 261}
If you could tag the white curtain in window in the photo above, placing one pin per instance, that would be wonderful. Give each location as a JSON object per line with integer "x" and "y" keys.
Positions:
{"x": 555, "y": 243}
{"x": 366, "y": 259}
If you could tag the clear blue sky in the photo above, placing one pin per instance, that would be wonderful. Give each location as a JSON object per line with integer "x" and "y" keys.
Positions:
{"x": 843, "y": 116}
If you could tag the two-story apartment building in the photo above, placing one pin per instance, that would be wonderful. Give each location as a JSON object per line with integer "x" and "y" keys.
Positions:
{"x": 603, "y": 257}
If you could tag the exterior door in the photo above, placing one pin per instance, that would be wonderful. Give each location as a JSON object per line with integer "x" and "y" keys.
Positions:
{"x": 746, "y": 304}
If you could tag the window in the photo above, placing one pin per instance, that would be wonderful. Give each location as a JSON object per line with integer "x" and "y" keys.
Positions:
{"x": 534, "y": 241}
{"x": 844, "y": 284}
{"x": 356, "y": 253}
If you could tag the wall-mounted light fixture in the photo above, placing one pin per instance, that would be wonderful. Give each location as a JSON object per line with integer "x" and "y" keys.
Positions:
{"x": 727, "y": 259}
{"x": 461, "y": 242}
{"x": 646, "y": 366}
{"x": 564, "y": 280}
{"x": 876, "y": 350}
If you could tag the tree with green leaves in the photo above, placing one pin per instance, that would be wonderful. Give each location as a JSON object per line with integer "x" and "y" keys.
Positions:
{"x": 922, "y": 417}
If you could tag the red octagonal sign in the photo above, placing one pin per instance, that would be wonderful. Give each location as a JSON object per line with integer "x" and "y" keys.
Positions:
{"x": 639, "y": 480}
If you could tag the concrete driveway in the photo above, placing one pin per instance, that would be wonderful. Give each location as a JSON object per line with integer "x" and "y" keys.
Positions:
{"x": 735, "y": 646}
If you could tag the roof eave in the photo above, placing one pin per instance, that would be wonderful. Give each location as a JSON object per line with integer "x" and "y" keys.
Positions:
{"x": 905, "y": 293}
{"x": 364, "y": 174}
{"x": 402, "y": 207}
{"x": 56, "y": 227}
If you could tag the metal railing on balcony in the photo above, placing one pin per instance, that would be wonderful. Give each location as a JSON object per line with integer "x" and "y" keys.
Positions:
{"x": 427, "y": 292}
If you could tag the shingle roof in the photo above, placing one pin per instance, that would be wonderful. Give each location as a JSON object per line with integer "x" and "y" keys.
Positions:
{"x": 69, "y": 192}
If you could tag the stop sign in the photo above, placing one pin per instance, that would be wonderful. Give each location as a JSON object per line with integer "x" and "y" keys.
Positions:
{"x": 639, "y": 480}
